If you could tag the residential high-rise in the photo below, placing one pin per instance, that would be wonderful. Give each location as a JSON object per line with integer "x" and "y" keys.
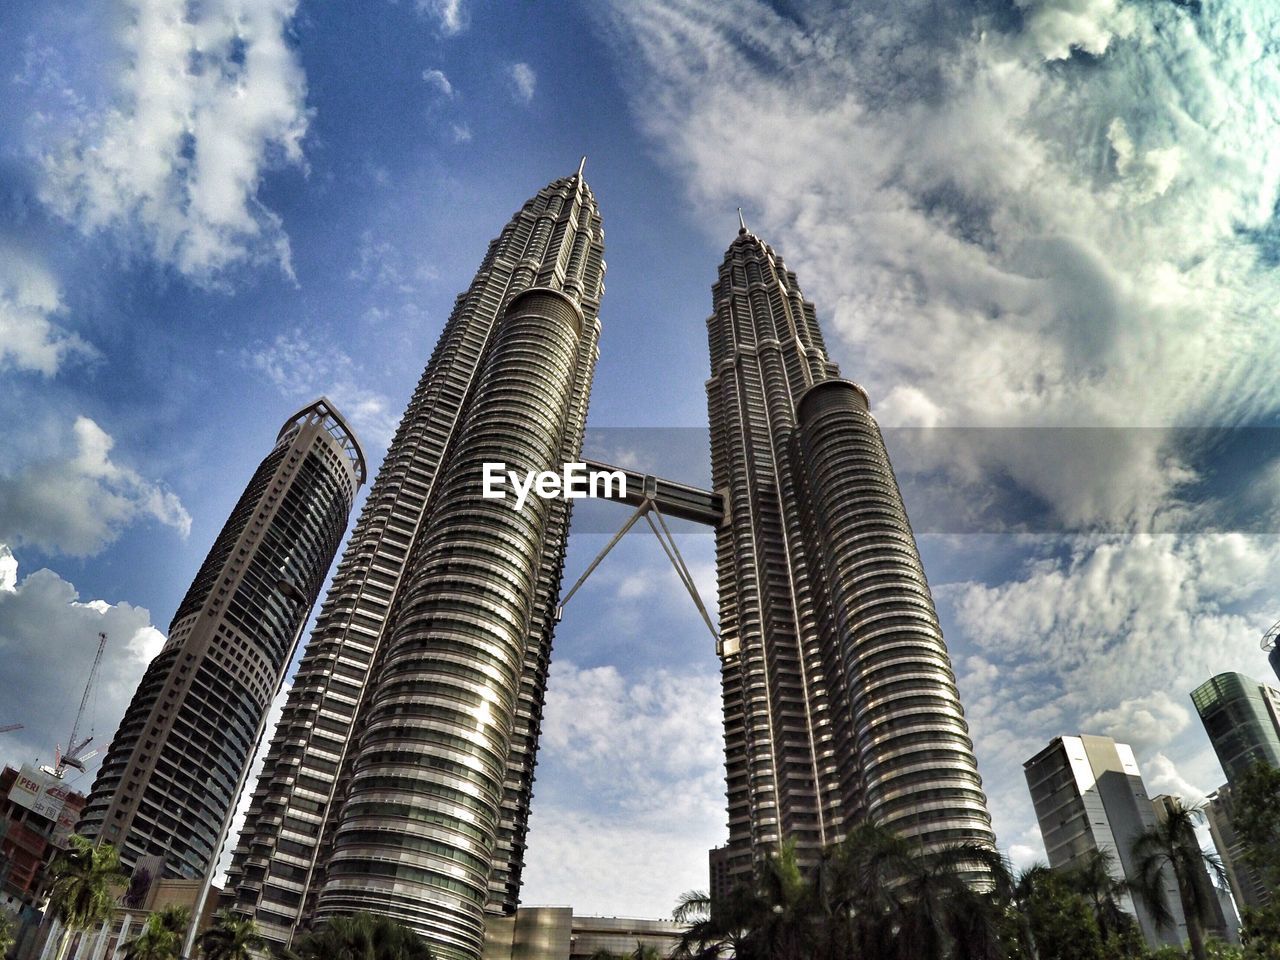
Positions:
{"x": 1246, "y": 883}
{"x": 1089, "y": 795}
{"x": 398, "y": 780}
{"x": 170, "y": 776}
{"x": 1242, "y": 718}
{"x": 840, "y": 702}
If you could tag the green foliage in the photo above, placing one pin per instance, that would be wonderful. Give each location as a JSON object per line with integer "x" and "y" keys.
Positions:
{"x": 1171, "y": 846}
{"x": 641, "y": 952}
{"x": 1059, "y": 921}
{"x": 362, "y": 936}
{"x": 82, "y": 878}
{"x": 874, "y": 895}
{"x": 1220, "y": 950}
{"x": 231, "y": 937}
{"x": 1256, "y": 798}
{"x": 7, "y": 935}
{"x": 1261, "y": 932}
{"x": 161, "y": 938}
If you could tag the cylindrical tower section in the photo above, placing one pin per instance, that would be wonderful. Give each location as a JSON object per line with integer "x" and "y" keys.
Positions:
{"x": 418, "y": 828}
{"x": 916, "y": 769}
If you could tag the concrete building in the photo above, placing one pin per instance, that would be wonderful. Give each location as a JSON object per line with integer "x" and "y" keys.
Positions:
{"x": 1242, "y": 718}
{"x": 718, "y": 873}
{"x": 37, "y": 814}
{"x": 175, "y": 767}
{"x": 1089, "y": 795}
{"x": 1246, "y": 883}
{"x": 556, "y": 933}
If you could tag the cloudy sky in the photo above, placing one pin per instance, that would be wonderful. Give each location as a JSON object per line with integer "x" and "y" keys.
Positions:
{"x": 1041, "y": 233}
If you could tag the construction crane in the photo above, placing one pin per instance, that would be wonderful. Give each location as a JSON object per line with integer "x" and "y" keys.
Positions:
{"x": 75, "y": 756}
{"x": 8, "y": 727}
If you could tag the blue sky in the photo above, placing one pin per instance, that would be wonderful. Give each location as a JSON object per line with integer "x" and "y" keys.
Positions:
{"x": 1034, "y": 214}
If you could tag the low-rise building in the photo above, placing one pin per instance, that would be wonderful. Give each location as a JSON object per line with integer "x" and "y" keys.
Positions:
{"x": 556, "y": 933}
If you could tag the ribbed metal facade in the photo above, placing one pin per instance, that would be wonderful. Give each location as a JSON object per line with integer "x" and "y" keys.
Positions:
{"x": 839, "y": 698}
{"x": 410, "y": 636}
{"x": 170, "y": 775}
{"x": 424, "y": 810}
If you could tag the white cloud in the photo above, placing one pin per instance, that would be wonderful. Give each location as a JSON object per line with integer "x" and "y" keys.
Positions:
{"x": 993, "y": 240}
{"x": 523, "y": 81}
{"x": 641, "y": 796}
{"x": 1161, "y": 776}
{"x": 380, "y": 265}
{"x": 1056, "y": 27}
{"x": 29, "y": 299}
{"x": 436, "y": 80}
{"x": 78, "y": 500}
{"x": 461, "y": 133}
{"x": 1154, "y": 719}
{"x": 209, "y": 97}
{"x": 48, "y": 637}
{"x": 303, "y": 365}
{"x": 449, "y": 15}
{"x": 1108, "y": 637}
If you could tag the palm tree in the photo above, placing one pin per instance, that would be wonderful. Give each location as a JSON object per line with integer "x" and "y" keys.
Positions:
{"x": 722, "y": 928}
{"x": 231, "y": 937}
{"x": 1172, "y": 845}
{"x": 944, "y": 915}
{"x": 161, "y": 938}
{"x": 886, "y": 897}
{"x": 361, "y": 936}
{"x": 1094, "y": 879}
{"x": 1053, "y": 920}
{"x": 80, "y": 893}
{"x": 773, "y": 918}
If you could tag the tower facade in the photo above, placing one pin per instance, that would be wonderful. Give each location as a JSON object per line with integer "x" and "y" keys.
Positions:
{"x": 840, "y": 703}
{"x": 399, "y": 778}
{"x": 1089, "y": 796}
{"x": 1242, "y": 718}
{"x": 170, "y": 775}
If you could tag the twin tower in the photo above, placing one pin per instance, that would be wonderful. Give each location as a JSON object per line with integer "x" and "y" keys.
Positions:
{"x": 399, "y": 778}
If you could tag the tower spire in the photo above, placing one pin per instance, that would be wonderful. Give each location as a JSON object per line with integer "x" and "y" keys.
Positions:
{"x": 742, "y": 224}
{"x": 581, "y": 164}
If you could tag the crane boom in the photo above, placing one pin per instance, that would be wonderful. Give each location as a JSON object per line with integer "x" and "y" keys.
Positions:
{"x": 72, "y": 757}
{"x": 10, "y": 726}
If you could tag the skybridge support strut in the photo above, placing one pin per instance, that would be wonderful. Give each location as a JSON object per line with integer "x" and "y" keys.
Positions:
{"x": 648, "y": 509}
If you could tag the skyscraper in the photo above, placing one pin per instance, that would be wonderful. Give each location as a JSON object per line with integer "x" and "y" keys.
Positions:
{"x": 1089, "y": 796}
{"x": 839, "y": 699}
{"x": 1245, "y": 881}
{"x": 399, "y": 777}
{"x": 1242, "y": 718}
{"x": 170, "y": 776}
